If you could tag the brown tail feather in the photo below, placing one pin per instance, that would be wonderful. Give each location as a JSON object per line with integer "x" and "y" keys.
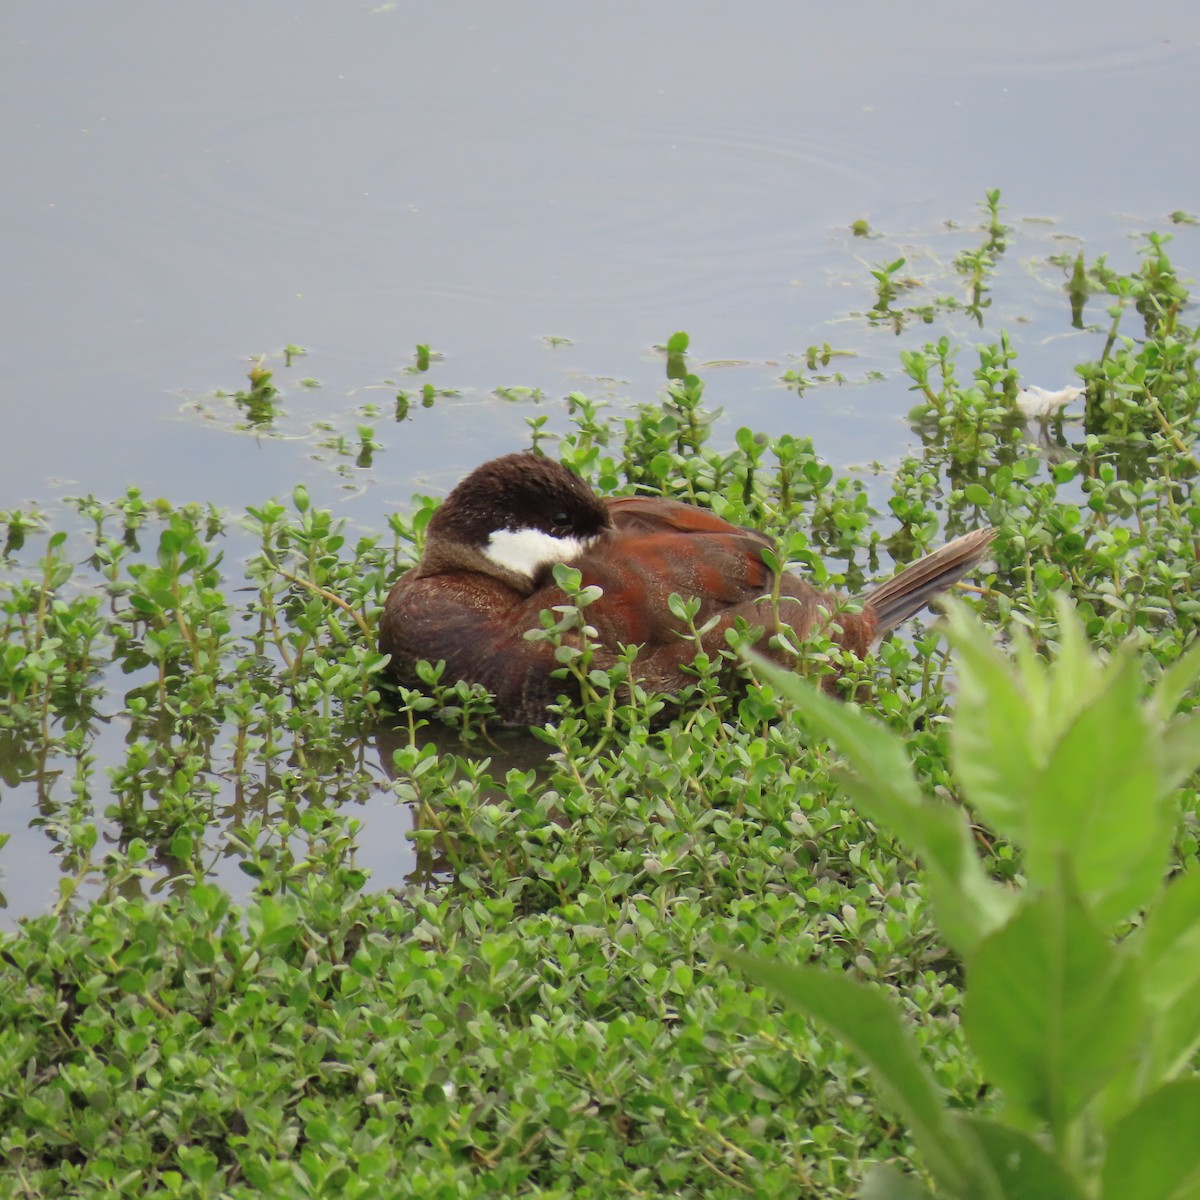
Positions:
{"x": 904, "y": 595}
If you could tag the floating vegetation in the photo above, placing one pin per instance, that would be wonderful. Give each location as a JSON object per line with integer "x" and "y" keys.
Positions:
{"x": 549, "y": 1001}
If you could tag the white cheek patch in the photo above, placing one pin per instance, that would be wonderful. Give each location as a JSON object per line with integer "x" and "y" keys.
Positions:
{"x": 528, "y": 551}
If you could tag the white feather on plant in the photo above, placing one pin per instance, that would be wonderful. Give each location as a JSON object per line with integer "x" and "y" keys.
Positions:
{"x": 1033, "y": 401}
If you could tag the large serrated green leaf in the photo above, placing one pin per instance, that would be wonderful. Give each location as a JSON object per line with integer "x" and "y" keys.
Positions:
{"x": 1099, "y": 803}
{"x": 1052, "y": 1007}
{"x": 1169, "y": 942}
{"x": 1169, "y": 945}
{"x": 1026, "y": 1170}
{"x": 1154, "y": 1153}
{"x": 1076, "y": 671}
{"x": 996, "y": 727}
{"x": 1181, "y": 749}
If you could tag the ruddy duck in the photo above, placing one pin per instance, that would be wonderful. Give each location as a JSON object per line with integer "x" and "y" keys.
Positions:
{"x": 486, "y": 574}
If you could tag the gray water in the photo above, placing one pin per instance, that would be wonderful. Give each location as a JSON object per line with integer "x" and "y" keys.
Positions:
{"x": 185, "y": 186}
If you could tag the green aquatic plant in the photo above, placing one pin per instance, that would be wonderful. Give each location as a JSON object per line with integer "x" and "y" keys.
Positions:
{"x": 200, "y": 735}
{"x": 259, "y": 403}
{"x": 887, "y": 287}
{"x": 1081, "y": 993}
{"x": 676, "y": 349}
{"x": 977, "y": 264}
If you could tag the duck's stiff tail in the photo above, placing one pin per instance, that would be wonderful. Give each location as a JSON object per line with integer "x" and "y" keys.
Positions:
{"x": 904, "y": 595}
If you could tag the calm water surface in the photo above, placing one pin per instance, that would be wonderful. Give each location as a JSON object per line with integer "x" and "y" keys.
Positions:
{"x": 187, "y": 186}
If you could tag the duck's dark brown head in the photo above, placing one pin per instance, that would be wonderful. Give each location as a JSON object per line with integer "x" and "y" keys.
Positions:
{"x": 516, "y": 516}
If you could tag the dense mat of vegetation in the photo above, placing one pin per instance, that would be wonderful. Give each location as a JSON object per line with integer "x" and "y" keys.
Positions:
{"x": 547, "y": 1011}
